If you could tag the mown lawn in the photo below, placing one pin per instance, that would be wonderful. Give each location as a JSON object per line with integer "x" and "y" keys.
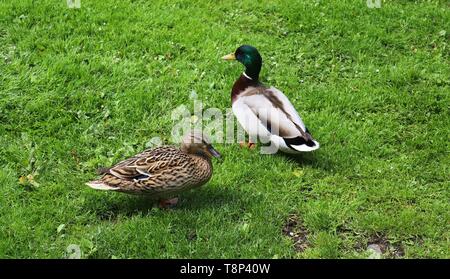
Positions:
{"x": 84, "y": 88}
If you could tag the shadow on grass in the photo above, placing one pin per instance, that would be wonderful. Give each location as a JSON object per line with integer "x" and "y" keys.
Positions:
{"x": 312, "y": 159}
{"x": 210, "y": 198}
{"x": 120, "y": 204}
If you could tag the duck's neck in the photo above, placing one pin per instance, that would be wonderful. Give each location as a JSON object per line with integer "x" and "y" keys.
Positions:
{"x": 242, "y": 83}
{"x": 250, "y": 77}
{"x": 195, "y": 152}
{"x": 252, "y": 70}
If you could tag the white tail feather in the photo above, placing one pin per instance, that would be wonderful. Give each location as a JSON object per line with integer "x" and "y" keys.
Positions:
{"x": 98, "y": 185}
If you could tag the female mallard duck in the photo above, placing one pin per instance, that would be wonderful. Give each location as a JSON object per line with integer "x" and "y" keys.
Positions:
{"x": 162, "y": 172}
{"x": 265, "y": 112}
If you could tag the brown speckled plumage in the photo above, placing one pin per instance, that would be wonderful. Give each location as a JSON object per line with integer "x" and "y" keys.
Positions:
{"x": 160, "y": 173}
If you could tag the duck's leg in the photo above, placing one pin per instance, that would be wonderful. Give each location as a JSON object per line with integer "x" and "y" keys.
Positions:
{"x": 248, "y": 142}
{"x": 167, "y": 203}
{"x": 250, "y": 145}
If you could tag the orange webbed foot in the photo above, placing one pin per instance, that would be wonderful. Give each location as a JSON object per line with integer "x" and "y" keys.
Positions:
{"x": 249, "y": 145}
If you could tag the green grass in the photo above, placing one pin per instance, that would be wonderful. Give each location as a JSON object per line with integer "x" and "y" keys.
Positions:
{"x": 83, "y": 88}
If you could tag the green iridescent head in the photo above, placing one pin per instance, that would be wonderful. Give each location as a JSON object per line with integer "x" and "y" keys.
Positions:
{"x": 250, "y": 58}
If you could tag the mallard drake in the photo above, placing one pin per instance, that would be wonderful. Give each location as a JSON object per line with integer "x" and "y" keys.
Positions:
{"x": 265, "y": 112}
{"x": 163, "y": 172}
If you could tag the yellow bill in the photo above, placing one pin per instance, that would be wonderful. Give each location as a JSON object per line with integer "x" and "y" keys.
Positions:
{"x": 229, "y": 57}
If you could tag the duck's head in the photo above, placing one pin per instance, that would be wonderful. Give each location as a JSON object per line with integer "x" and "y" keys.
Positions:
{"x": 195, "y": 142}
{"x": 250, "y": 58}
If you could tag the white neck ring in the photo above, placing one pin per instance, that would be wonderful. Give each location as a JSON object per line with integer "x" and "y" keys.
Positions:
{"x": 245, "y": 75}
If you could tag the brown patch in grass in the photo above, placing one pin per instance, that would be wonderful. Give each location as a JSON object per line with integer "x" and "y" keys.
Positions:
{"x": 389, "y": 250}
{"x": 295, "y": 230}
{"x": 192, "y": 236}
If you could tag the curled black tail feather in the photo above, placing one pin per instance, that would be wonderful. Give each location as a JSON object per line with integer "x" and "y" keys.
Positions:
{"x": 299, "y": 141}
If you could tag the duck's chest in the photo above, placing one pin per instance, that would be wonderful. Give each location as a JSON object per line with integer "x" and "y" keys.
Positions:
{"x": 203, "y": 171}
{"x": 241, "y": 85}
